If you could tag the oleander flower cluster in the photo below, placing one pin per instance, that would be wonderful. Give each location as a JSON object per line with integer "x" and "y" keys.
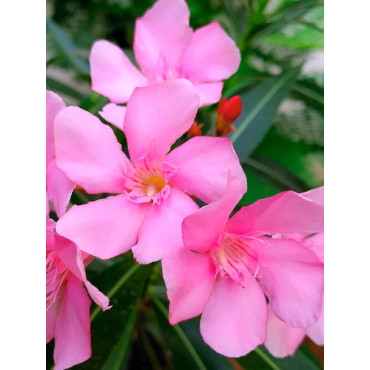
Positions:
{"x": 255, "y": 277}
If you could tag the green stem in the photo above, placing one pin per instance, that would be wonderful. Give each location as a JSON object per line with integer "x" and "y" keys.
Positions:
{"x": 116, "y": 286}
{"x": 179, "y": 332}
{"x": 265, "y": 357}
{"x": 260, "y": 105}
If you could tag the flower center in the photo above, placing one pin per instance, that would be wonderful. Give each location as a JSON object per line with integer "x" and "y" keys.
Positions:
{"x": 148, "y": 181}
{"x": 56, "y": 274}
{"x": 163, "y": 71}
{"x": 154, "y": 184}
{"x": 148, "y": 184}
{"x": 234, "y": 258}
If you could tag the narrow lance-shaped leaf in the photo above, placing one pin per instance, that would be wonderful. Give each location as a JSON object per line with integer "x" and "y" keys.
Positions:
{"x": 261, "y": 359}
{"x": 291, "y": 12}
{"x": 67, "y": 48}
{"x": 177, "y": 333}
{"x": 259, "y": 109}
{"x": 62, "y": 88}
{"x": 188, "y": 350}
{"x": 311, "y": 93}
{"x": 237, "y": 14}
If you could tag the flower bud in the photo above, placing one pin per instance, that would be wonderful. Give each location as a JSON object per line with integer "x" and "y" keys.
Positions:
{"x": 227, "y": 112}
{"x": 195, "y": 129}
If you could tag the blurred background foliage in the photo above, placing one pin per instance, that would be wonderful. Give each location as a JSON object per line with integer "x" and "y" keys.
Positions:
{"x": 279, "y": 140}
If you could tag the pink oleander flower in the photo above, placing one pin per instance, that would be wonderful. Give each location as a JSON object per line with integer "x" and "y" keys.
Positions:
{"x": 283, "y": 339}
{"x": 67, "y": 301}
{"x": 229, "y": 267}
{"x": 58, "y": 187}
{"x": 166, "y": 48}
{"x": 154, "y": 187}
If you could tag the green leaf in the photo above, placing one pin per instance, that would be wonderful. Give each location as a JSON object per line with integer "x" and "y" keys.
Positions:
{"x": 66, "y": 47}
{"x": 237, "y": 13}
{"x": 261, "y": 359}
{"x": 304, "y": 161}
{"x": 258, "y": 188}
{"x": 93, "y": 103}
{"x": 304, "y": 36}
{"x": 211, "y": 359}
{"x": 180, "y": 334}
{"x": 119, "y": 351}
{"x": 60, "y": 87}
{"x": 111, "y": 331}
{"x": 290, "y": 13}
{"x": 311, "y": 93}
{"x": 274, "y": 173}
{"x": 259, "y": 109}
{"x": 188, "y": 350}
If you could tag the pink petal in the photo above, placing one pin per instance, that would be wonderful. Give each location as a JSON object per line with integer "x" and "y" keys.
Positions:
{"x": 209, "y": 93}
{"x": 210, "y": 56}
{"x": 158, "y": 115}
{"x": 54, "y": 104}
{"x": 112, "y": 73}
{"x": 104, "y": 228}
{"x": 316, "y": 244}
{"x": 114, "y": 114}
{"x": 51, "y": 316}
{"x": 316, "y": 331}
{"x": 97, "y": 296}
{"x": 233, "y": 322}
{"x": 72, "y": 330}
{"x": 282, "y": 340}
{"x": 71, "y": 256}
{"x": 316, "y": 195}
{"x": 286, "y": 212}
{"x": 161, "y": 35}
{"x": 190, "y": 279}
{"x": 203, "y": 166}
{"x": 201, "y": 229}
{"x": 292, "y": 277}
{"x": 59, "y": 188}
{"x": 89, "y": 153}
{"x": 160, "y": 233}
{"x": 50, "y": 232}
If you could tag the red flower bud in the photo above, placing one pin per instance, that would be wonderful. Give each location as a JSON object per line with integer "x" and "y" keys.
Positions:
{"x": 195, "y": 129}
{"x": 227, "y": 112}
{"x": 230, "y": 109}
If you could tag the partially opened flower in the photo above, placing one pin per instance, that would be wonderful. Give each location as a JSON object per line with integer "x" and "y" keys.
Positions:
{"x": 154, "y": 188}
{"x": 58, "y": 187}
{"x": 283, "y": 339}
{"x": 166, "y": 48}
{"x": 67, "y": 300}
{"x": 229, "y": 266}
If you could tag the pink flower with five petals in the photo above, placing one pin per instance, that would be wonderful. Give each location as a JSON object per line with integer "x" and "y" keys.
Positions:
{"x": 155, "y": 187}
{"x": 166, "y": 48}
{"x": 228, "y": 267}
